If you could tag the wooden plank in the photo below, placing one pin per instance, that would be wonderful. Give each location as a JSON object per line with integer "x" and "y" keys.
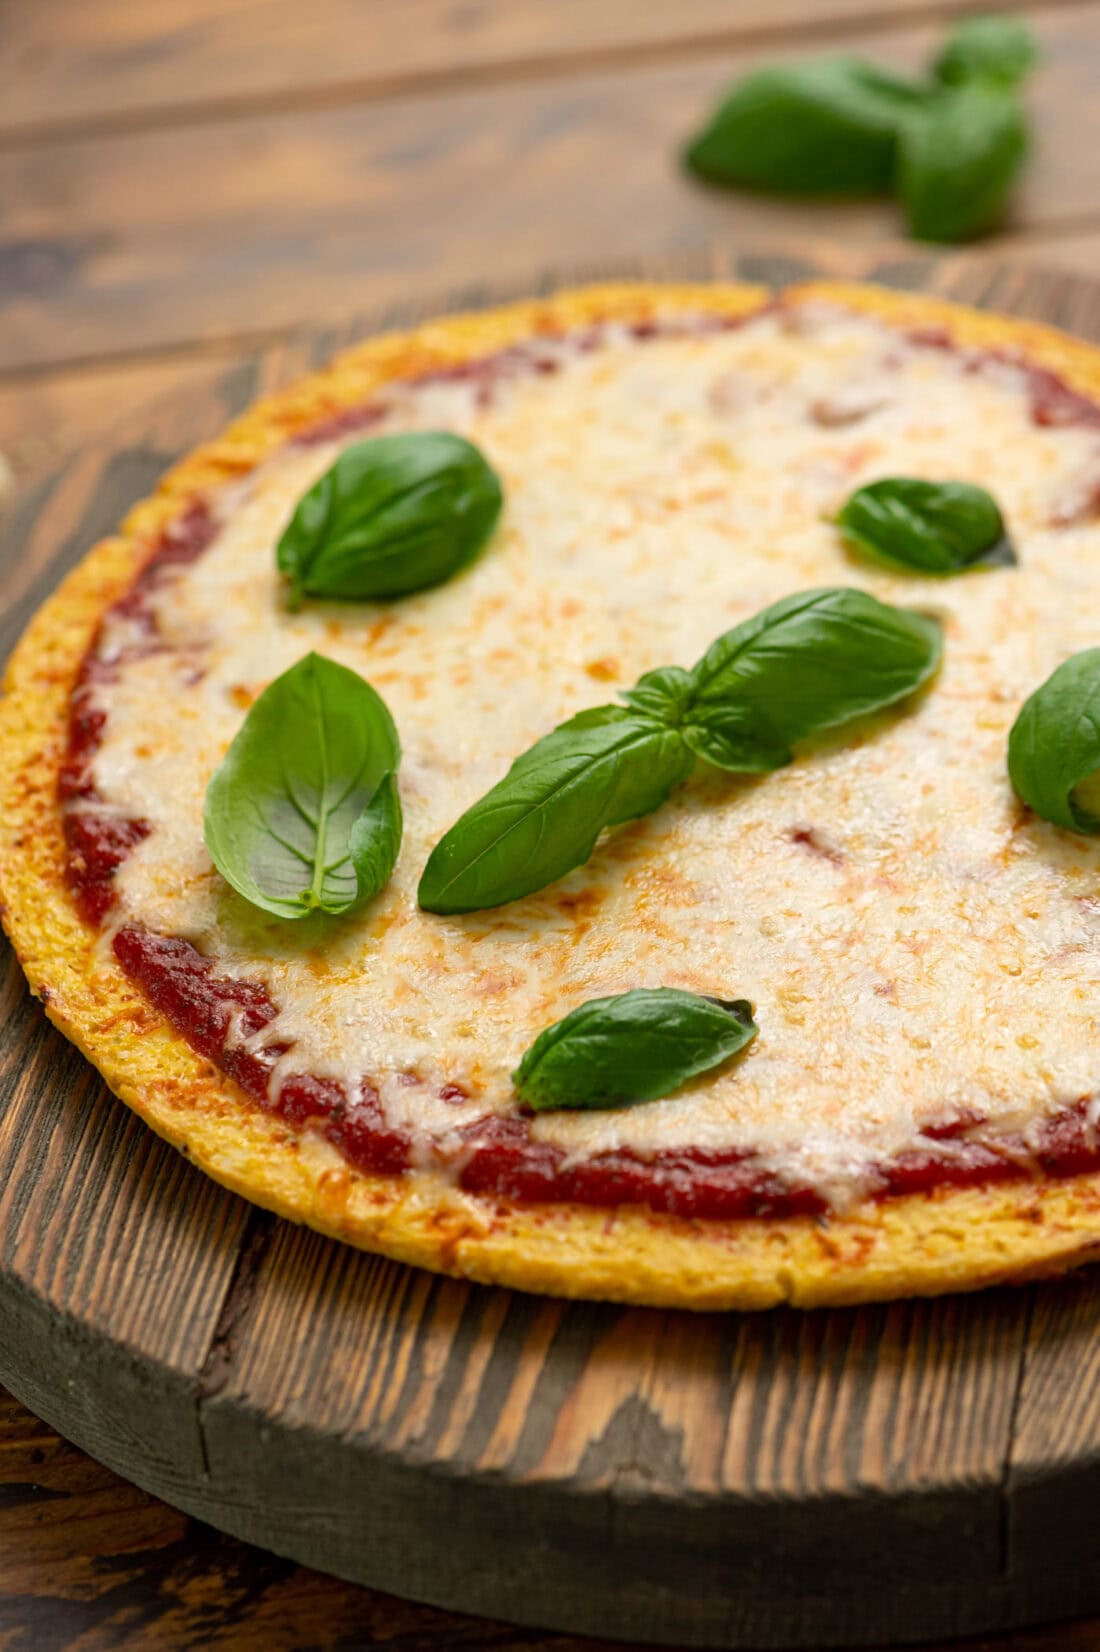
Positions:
{"x": 373, "y": 1371}
{"x": 44, "y": 419}
{"x": 88, "y": 1561}
{"x": 93, "y": 62}
{"x": 1054, "y": 1466}
{"x": 129, "y": 243}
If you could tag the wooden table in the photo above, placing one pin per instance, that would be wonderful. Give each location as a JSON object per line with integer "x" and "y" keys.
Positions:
{"x": 182, "y": 179}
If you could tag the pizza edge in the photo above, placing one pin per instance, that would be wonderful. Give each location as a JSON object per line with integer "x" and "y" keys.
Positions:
{"x": 923, "y": 1244}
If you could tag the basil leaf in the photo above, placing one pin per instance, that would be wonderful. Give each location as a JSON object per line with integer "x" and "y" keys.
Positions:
{"x": 614, "y": 1052}
{"x": 303, "y": 814}
{"x": 663, "y": 693}
{"x": 1054, "y": 746}
{"x": 958, "y": 160}
{"x": 601, "y": 768}
{"x": 932, "y": 527}
{"x": 393, "y": 515}
{"x": 827, "y": 127}
{"x": 805, "y": 664}
{"x": 987, "y": 48}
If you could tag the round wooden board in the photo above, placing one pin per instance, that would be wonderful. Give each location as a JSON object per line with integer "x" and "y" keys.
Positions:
{"x": 887, "y": 1474}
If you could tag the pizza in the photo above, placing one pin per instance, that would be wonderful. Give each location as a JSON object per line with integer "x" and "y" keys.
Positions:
{"x": 919, "y": 1110}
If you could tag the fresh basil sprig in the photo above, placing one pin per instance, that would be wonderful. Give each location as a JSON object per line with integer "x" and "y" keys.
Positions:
{"x": 601, "y": 768}
{"x": 1054, "y": 746}
{"x": 637, "y": 1046}
{"x": 303, "y": 814}
{"x": 950, "y": 145}
{"x": 827, "y": 127}
{"x": 802, "y": 665}
{"x": 927, "y": 527}
{"x": 393, "y": 515}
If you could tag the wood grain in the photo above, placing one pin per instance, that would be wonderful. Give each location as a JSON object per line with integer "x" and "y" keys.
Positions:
{"x": 132, "y": 242}
{"x": 96, "y": 63}
{"x": 739, "y": 1480}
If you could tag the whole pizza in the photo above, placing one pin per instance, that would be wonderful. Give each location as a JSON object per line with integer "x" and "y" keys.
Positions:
{"x": 599, "y": 796}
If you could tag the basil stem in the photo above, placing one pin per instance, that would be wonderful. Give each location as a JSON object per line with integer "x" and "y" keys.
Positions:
{"x": 927, "y": 527}
{"x": 393, "y": 515}
{"x": 638, "y": 1046}
{"x": 1054, "y": 746}
{"x": 303, "y": 813}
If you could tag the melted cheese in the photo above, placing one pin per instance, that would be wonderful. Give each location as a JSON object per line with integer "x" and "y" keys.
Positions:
{"x": 912, "y": 950}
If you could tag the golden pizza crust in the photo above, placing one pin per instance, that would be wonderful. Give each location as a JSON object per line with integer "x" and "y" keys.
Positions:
{"x": 919, "y": 1245}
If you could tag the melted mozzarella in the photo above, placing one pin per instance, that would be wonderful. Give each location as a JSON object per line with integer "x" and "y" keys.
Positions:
{"x": 911, "y": 948}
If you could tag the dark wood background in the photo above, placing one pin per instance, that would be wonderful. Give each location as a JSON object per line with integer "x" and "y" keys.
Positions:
{"x": 184, "y": 180}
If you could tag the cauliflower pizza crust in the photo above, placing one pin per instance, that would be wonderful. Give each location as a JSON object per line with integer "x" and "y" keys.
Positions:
{"x": 919, "y": 1113}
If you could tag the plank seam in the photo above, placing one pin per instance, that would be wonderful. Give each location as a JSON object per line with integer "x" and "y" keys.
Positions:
{"x": 520, "y": 70}
{"x": 233, "y": 1318}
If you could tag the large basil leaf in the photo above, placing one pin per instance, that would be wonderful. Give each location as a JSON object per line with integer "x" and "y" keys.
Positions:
{"x": 614, "y": 1052}
{"x": 805, "y": 664}
{"x": 987, "y": 48}
{"x": 303, "y": 813}
{"x": 958, "y": 160}
{"x": 1054, "y": 746}
{"x": 932, "y": 527}
{"x": 601, "y": 768}
{"x": 827, "y": 127}
{"x": 393, "y": 515}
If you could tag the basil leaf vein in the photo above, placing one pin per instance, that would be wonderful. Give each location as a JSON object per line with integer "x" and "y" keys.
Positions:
{"x": 1054, "y": 746}
{"x": 633, "y": 1047}
{"x": 930, "y": 527}
{"x": 393, "y": 515}
{"x": 303, "y": 814}
{"x": 801, "y": 666}
{"x": 601, "y": 768}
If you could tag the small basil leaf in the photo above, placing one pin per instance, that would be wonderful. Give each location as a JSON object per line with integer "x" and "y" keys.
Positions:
{"x": 375, "y": 839}
{"x": 932, "y": 527}
{"x": 601, "y": 768}
{"x": 662, "y": 693}
{"x": 1054, "y": 746}
{"x": 638, "y": 1046}
{"x": 807, "y": 663}
{"x": 987, "y": 48}
{"x": 284, "y": 812}
{"x": 827, "y": 127}
{"x": 393, "y": 515}
{"x": 958, "y": 160}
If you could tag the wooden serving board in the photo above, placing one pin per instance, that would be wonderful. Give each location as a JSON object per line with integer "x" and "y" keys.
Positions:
{"x": 894, "y": 1473}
